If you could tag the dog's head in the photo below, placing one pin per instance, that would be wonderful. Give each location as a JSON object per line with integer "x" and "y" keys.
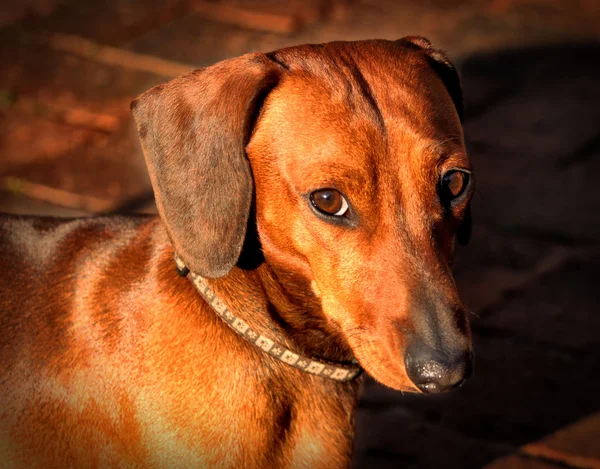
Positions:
{"x": 352, "y": 156}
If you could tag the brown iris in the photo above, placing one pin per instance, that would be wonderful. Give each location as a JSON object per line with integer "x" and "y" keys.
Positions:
{"x": 454, "y": 183}
{"x": 329, "y": 201}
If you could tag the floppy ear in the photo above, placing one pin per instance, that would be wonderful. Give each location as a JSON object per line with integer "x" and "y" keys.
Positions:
{"x": 443, "y": 67}
{"x": 463, "y": 234}
{"x": 193, "y": 131}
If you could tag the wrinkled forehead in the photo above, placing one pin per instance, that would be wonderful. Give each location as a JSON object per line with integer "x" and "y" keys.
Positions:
{"x": 360, "y": 111}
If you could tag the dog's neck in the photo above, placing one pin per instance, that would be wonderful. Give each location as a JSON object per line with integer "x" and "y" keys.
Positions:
{"x": 300, "y": 315}
{"x": 283, "y": 308}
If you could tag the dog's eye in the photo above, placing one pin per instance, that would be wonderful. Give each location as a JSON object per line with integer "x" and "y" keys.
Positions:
{"x": 454, "y": 183}
{"x": 329, "y": 202}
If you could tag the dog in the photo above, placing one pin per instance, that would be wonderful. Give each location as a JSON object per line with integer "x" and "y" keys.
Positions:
{"x": 309, "y": 199}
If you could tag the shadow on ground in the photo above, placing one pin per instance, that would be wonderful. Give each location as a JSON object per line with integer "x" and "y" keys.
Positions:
{"x": 533, "y": 132}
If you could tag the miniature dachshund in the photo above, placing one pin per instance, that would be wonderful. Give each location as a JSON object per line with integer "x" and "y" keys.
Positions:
{"x": 309, "y": 202}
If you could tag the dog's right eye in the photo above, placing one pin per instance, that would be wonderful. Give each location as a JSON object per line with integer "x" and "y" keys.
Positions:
{"x": 454, "y": 184}
{"x": 329, "y": 202}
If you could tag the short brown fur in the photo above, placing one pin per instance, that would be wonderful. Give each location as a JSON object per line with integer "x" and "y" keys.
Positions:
{"x": 108, "y": 358}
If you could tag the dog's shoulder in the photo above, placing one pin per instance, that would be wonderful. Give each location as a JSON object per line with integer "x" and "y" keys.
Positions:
{"x": 55, "y": 274}
{"x": 38, "y": 252}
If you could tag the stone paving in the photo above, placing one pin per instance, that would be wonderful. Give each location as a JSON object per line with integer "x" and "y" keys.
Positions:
{"x": 530, "y": 73}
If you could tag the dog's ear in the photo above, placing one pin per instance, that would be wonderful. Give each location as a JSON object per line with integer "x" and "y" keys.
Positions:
{"x": 443, "y": 67}
{"x": 194, "y": 131}
{"x": 463, "y": 234}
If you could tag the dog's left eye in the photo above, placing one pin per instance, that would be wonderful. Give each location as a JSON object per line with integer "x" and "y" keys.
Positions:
{"x": 329, "y": 202}
{"x": 454, "y": 183}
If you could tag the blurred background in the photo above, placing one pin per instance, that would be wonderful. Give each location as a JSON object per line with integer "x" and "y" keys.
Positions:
{"x": 531, "y": 78}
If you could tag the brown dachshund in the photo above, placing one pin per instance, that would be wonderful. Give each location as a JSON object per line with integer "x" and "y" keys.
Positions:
{"x": 312, "y": 196}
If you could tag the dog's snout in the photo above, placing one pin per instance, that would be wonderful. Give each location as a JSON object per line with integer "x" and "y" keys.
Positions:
{"x": 434, "y": 371}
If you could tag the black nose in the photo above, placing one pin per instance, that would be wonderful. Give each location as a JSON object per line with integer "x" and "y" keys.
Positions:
{"x": 434, "y": 371}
